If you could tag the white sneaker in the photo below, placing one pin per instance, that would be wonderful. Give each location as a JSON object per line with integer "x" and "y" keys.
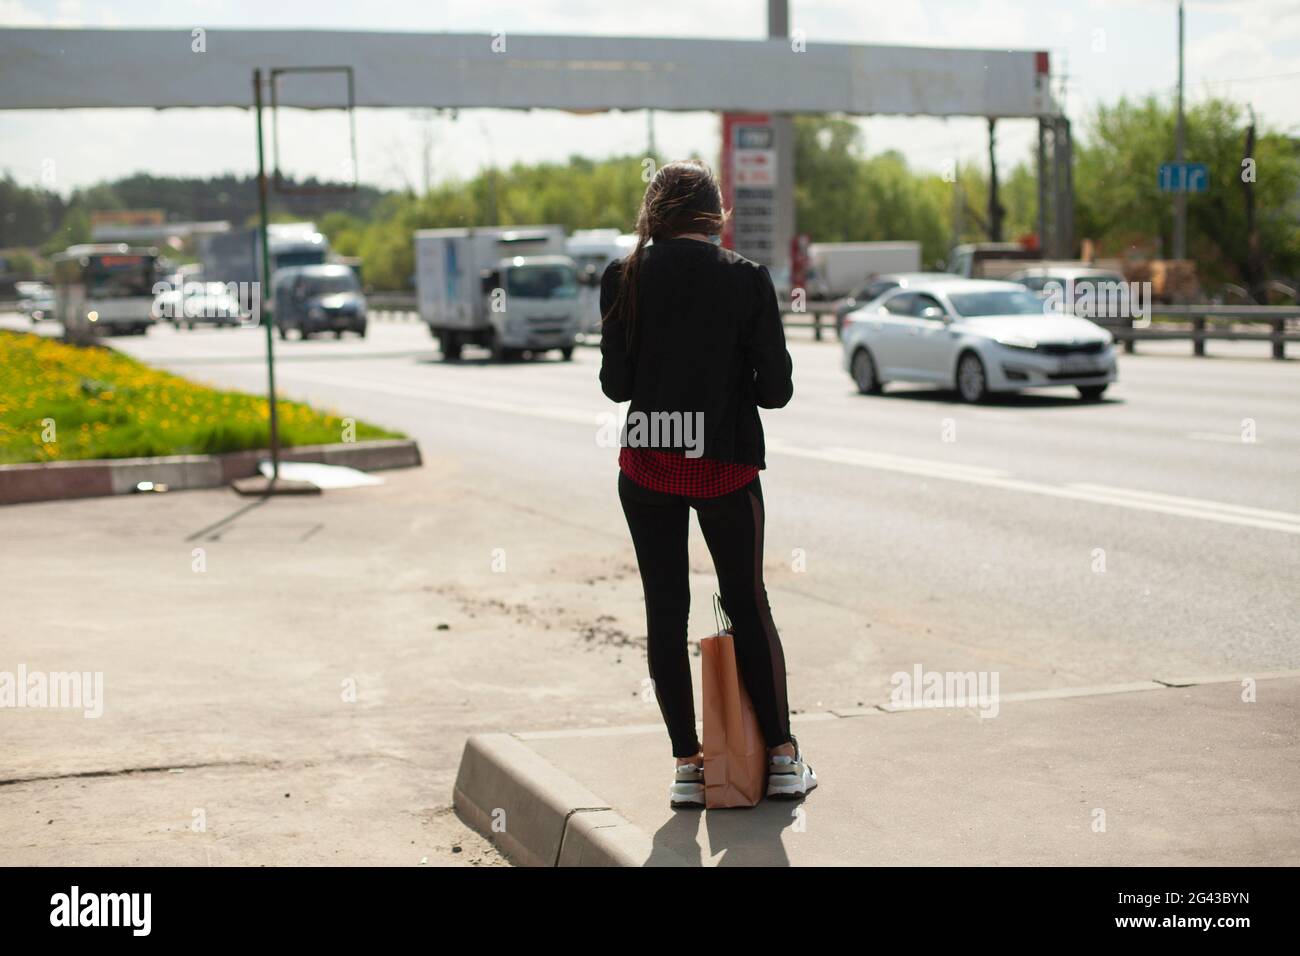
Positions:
{"x": 688, "y": 786}
{"x": 789, "y": 778}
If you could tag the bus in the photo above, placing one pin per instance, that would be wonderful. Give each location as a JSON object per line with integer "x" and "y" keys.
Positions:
{"x": 104, "y": 289}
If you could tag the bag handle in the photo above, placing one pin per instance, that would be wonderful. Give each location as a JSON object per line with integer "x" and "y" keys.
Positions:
{"x": 720, "y": 615}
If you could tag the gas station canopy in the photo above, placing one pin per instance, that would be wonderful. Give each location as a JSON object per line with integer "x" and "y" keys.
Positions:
{"x": 104, "y": 68}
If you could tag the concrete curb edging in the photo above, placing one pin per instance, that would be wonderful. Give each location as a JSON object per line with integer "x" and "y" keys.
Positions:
{"x": 49, "y": 481}
{"x": 550, "y": 819}
{"x": 537, "y": 814}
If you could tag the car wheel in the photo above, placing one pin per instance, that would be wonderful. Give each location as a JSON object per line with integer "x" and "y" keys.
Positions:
{"x": 284, "y": 333}
{"x": 338, "y": 333}
{"x": 972, "y": 383}
{"x": 567, "y": 354}
{"x": 1092, "y": 393}
{"x": 864, "y": 373}
{"x": 451, "y": 346}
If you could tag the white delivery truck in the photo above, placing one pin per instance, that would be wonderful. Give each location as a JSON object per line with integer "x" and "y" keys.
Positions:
{"x": 840, "y": 267}
{"x": 591, "y": 251}
{"x": 510, "y": 289}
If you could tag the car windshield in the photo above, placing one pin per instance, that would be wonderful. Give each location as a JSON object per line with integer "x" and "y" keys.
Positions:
{"x": 996, "y": 302}
{"x": 542, "y": 282}
{"x": 308, "y": 257}
{"x": 330, "y": 285}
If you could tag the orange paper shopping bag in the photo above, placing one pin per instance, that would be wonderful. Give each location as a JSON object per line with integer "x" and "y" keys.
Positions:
{"x": 735, "y": 754}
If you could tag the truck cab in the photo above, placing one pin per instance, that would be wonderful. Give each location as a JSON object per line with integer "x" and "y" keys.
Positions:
{"x": 537, "y": 296}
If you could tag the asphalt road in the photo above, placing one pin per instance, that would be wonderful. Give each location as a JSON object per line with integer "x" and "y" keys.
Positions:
{"x": 888, "y": 548}
{"x": 1036, "y": 533}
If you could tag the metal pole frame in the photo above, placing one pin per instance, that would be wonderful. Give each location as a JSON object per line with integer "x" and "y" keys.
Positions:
{"x": 281, "y": 185}
{"x": 266, "y": 281}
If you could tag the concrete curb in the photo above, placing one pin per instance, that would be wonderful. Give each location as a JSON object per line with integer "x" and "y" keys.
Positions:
{"x": 544, "y": 817}
{"x": 537, "y": 814}
{"x": 49, "y": 481}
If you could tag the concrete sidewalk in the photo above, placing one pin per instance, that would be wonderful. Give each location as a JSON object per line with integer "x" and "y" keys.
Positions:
{"x": 1178, "y": 775}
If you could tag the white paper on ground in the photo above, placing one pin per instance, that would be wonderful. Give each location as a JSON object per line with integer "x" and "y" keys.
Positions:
{"x": 322, "y": 476}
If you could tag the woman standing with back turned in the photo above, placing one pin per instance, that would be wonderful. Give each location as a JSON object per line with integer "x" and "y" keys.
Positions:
{"x": 692, "y": 335}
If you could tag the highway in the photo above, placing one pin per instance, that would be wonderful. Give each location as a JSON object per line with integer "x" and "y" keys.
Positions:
{"x": 1074, "y": 541}
{"x": 1058, "y": 541}
{"x": 1053, "y": 544}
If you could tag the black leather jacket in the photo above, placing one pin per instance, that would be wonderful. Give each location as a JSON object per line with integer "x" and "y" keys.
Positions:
{"x": 707, "y": 341}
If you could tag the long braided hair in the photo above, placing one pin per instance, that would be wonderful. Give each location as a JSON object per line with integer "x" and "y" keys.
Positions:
{"x": 683, "y": 197}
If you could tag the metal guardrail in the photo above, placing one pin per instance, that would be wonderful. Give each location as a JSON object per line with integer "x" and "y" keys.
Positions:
{"x": 1202, "y": 323}
{"x": 390, "y": 302}
{"x": 401, "y": 306}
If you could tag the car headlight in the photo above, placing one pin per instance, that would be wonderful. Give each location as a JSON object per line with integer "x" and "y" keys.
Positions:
{"x": 1017, "y": 342}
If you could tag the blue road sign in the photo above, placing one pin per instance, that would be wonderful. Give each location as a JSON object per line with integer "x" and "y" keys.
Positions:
{"x": 1183, "y": 177}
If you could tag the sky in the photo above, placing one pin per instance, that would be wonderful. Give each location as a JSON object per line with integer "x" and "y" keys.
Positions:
{"x": 1248, "y": 50}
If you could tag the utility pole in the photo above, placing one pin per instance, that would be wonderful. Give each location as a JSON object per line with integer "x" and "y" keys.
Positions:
{"x": 996, "y": 208}
{"x": 1180, "y": 197}
{"x": 958, "y": 206}
{"x": 1254, "y": 260}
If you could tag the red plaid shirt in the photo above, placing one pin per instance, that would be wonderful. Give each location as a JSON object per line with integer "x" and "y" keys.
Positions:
{"x": 675, "y": 474}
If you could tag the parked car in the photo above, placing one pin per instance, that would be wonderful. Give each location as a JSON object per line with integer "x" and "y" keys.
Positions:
{"x": 199, "y": 303}
{"x": 319, "y": 298}
{"x": 35, "y": 300}
{"x": 977, "y": 336}
{"x": 877, "y": 286}
{"x": 1078, "y": 278}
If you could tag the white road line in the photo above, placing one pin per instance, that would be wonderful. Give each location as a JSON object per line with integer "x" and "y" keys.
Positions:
{"x": 1132, "y": 499}
{"x": 452, "y": 397}
{"x": 1214, "y": 436}
{"x": 1179, "y": 501}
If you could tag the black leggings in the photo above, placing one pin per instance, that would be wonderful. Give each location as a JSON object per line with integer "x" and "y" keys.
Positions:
{"x": 733, "y": 529}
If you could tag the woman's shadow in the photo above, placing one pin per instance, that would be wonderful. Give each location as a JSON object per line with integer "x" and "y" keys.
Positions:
{"x": 743, "y": 837}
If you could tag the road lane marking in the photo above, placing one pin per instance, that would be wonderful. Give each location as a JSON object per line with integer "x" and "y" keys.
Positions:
{"x": 1215, "y": 436}
{"x": 1132, "y": 499}
{"x": 458, "y": 397}
{"x": 1180, "y": 501}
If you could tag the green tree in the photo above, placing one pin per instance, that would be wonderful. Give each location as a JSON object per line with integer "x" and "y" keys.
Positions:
{"x": 1118, "y": 203}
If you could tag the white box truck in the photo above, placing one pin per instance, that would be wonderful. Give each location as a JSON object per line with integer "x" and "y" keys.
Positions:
{"x": 840, "y": 267}
{"x": 509, "y": 289}
{"x": 592, "y": 250}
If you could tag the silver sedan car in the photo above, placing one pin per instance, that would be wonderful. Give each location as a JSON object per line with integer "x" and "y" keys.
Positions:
{"x": 977, "y": 336}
